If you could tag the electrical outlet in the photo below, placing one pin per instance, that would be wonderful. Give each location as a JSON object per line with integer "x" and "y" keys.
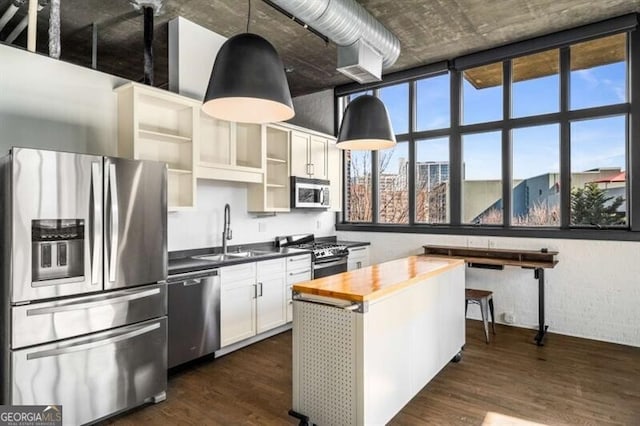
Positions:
{"x": 262, "y": 226}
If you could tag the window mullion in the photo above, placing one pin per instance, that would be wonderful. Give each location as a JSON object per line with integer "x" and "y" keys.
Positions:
{"x": 411, "y": 187}
{"x": 565, "y": 139}
{"x": 455, "y": 150}
{"x": 633, "y": 130}
{"x": 506, "y": 144}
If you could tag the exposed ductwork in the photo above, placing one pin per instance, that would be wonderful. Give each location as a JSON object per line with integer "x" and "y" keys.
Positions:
{"x": 365, "y": 46}
{"x": 10, "y": 12}
{"x": 149, "y": 9}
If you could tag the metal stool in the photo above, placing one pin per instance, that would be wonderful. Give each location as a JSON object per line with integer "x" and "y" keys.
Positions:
{"x": 483, "y": 298}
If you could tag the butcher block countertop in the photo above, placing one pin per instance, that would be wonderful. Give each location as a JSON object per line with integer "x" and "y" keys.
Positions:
{"x": 375, "y": 281}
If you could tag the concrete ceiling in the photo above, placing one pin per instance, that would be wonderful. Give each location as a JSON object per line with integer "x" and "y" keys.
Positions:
{"x": 429, "y": 31}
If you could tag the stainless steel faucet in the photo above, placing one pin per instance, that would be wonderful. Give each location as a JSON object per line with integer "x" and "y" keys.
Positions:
{"x": 226, "y": 231}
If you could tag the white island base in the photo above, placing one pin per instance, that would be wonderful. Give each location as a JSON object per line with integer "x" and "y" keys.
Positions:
{"x": 360, "y": 363}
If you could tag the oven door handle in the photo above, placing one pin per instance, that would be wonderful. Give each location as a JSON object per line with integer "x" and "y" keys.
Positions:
{"x": 341, "y": 261}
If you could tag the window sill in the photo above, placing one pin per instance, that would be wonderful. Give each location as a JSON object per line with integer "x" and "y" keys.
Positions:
{"x": 496, "y": 231}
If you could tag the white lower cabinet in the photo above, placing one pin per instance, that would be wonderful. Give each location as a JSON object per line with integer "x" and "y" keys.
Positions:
{"x": 358, "y": 258}
{"x": 237, "y": 303}
{"x": 298, "y": 270}
{"x": 252, "y": 299}
{"x": 271, "y": 295}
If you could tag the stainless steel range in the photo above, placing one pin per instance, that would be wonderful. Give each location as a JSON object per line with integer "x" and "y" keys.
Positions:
{"x": 83, "y": 303}
{"x": 328, "y": 258}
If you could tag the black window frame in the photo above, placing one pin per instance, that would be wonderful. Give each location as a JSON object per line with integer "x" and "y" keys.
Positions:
{"x": 562, "y": 41}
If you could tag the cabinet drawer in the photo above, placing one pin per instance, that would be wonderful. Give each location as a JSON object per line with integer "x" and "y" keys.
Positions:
{"x": 299, "y": 276}
{"x": 241, "y": 272}
{"x": 358, "y": 253}
{"x": 270, "y": 267}
{"x": 296, "y": 263}
{"x": 125, "y": 365}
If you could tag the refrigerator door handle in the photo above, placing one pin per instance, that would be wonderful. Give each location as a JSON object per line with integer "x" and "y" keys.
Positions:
{"x": 96, "y": 302}
{"x": 113, "y": 255}
{"x": 96, "y": 181}
{"x": 91, "y": 343}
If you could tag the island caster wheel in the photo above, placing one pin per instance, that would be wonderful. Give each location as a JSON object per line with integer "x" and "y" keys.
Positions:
{"x": 304, "y": 420}
{"x": 457, "y": 358}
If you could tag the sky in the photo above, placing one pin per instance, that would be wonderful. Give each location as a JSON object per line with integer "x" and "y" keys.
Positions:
{"x": 536, "y": 150}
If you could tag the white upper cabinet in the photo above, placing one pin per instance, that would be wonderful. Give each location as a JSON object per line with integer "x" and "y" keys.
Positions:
{"x": 230, "y": 151}
{"x": 157, "y": 125}
{"x": 308, "y": 155}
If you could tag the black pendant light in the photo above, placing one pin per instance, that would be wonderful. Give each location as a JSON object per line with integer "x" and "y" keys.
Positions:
{"x": 248, "y": 83}
{"x": 366, "y": 125}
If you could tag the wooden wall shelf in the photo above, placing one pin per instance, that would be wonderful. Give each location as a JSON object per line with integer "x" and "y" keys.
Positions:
{"x": 492, "y": 256}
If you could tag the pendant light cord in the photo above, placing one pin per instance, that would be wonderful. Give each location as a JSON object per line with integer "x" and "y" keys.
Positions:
{"x": 248, "y": 15}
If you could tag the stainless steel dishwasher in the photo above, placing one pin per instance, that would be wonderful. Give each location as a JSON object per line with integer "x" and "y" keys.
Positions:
{"x": 194, "y": 315}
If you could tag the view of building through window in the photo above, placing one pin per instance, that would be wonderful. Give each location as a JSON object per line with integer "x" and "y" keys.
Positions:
{"x": 535, "y": 199}
{"x": 597, "y": 141}
{"x": 393, "y": 184}
{"x": 432, "y": 180}
{"x": 358, "y": 203}
{"x": 482, "y": 178}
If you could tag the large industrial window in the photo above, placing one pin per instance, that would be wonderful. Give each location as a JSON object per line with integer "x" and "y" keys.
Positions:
{"x": 533, "y": 144}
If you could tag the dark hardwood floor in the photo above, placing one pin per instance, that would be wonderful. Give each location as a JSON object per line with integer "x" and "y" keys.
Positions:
{"x": 569, "y": 381}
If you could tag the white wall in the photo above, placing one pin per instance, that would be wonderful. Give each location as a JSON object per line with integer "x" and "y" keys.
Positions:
{"x": 593, "y": 292}
{"x": 50, "y": 104}
{"x": 192, "y": 50}
{"x": 203, "y": 227}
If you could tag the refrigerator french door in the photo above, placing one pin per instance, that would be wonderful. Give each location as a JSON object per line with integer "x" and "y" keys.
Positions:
{"x": 135, "y": 225}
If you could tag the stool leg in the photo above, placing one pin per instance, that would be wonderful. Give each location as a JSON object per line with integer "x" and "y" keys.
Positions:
{"x": 485, "y": 314}
{"x": 493, "y": 318}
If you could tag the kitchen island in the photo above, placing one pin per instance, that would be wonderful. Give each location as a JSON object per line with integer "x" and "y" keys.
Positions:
{"x": 365, "y": 342}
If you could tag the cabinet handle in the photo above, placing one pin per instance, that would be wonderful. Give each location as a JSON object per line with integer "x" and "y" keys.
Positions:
{"x": 260, "y": 284}
{"x": 306, "y": 271}
{"x": 300, "y": 259}
{"x": 291, "y": 302}
{"x": 311, "y": 166}
{"x": 255, "y": 291}
{"x": 357, "y": 249}
{"x": 358, "y": 265}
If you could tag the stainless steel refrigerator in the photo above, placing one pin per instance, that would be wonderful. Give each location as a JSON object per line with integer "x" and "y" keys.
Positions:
{"x": 83, "y": 269}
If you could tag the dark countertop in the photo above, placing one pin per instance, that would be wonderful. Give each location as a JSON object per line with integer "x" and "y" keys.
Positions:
{"x": 182, "y": 262}
{"x": 350, "y": 244}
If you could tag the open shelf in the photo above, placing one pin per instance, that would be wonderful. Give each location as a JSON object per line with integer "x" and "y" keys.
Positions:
{"x": 163, "y": 136}
{"x": 275, "y": 185}
{"x": 276, "y": 160}
{"x": 180, "y": 171}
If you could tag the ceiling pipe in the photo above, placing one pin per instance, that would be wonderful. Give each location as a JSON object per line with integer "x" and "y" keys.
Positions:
{"x": 13, "y": 35}
{"x": 148, "y": 45}
{"x": 10, "y": 12}
{"x": 32, "y": 23}
{"x": 54, "y": 29}
{"x": 347, "y": 24}
{"x": 150, "y": 8}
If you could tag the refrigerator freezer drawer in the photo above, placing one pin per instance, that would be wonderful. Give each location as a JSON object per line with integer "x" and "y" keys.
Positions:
{"x": 40, "y": 323}
{"x": 94, "y": 376}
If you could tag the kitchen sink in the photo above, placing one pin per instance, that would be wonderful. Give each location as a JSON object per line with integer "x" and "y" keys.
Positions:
{"x": 250, "y": 253}
{"x": 213, "y": 257}
{"x": 230, "y": 256}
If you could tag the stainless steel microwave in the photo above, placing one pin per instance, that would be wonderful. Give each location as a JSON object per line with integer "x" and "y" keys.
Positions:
{"x": 309, "y": 193}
